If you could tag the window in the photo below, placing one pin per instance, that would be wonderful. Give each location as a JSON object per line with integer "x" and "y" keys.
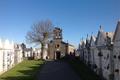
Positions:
{"x": 119, "y": 57}
{"x": 57, "y": 46}
{"x": 107, "y": 56}
{"x": 114, "y": 56}
{"x": 108, "y": 67}
{"x": 116, "y": 70}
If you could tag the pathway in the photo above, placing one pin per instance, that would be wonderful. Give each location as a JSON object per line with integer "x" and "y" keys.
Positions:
{"x": 57, "y": 70}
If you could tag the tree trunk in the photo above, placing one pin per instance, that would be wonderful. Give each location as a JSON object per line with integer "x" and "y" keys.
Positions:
{"x": 42, "y": 49}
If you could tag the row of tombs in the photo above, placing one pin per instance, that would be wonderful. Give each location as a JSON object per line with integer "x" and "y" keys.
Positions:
{"x": 12, "y": 53}
{"x": 102, "y": 53}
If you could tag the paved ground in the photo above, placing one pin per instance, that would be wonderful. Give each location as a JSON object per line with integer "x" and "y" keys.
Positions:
{"x": 57, "y": 70}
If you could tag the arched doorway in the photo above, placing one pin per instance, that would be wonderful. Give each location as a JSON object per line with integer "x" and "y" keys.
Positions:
{"x": 58, "y": 54}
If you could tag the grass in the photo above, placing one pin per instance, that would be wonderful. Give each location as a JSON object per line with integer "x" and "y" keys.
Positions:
{"x": 82, "y": 70}
{"x": 26, "y": 70}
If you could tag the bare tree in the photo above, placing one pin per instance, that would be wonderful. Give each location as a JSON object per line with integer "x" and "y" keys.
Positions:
{"x": 40, "y": 33}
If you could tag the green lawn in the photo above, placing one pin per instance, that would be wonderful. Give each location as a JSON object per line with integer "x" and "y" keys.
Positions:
{"x": 24, "y": 71}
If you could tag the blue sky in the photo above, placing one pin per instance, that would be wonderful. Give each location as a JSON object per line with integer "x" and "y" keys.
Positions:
{"x": 77, "y": 18}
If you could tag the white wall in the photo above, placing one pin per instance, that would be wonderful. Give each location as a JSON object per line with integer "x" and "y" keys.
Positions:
{"x": 1, "y": 61}
{"x": 7, "y": 55}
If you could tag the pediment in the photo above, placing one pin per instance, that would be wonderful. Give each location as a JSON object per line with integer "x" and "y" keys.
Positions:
{"x": 100, "y": 40}
{"x": 92, "y": 40}
{"x": 116, "y": 37}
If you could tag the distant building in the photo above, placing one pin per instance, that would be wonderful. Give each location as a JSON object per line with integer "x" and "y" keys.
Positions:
{"x": 32, "y": 53}
{"x": 57, "y": 48}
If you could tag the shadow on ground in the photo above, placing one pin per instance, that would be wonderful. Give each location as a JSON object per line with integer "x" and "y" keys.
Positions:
{"x": 26, "y": 74}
